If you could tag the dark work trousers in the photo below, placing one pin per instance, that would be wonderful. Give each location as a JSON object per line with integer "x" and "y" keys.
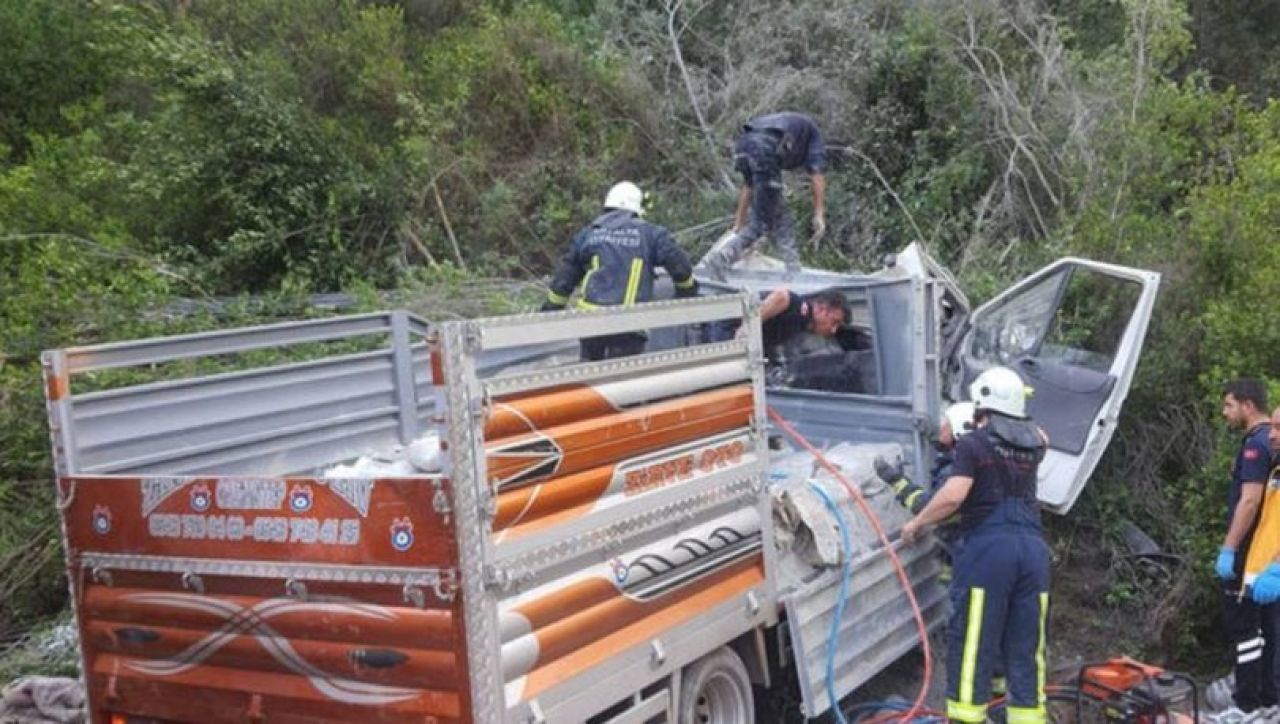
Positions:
{"x": 998, "y": 622}
{"x": 1251, "y": 632}
{"x": 756, "y": 155}
{"x": 611, "y": 346}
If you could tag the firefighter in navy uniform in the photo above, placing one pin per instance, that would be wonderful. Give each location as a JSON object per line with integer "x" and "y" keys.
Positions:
{"x": 1000, "y": 593}
{"x": 614, "y": 257}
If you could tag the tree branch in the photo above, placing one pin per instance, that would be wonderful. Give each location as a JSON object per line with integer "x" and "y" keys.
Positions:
{"x": 673, "y": 8}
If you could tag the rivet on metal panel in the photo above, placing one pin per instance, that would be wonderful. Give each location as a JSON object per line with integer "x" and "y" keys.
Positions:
{"x": 535, "y": 713}
{"x": 192, "y": 582}
{"x": 753, "y": 604}
{"x": 414, "y": 596}
{"x": 659, "y": 653}
{"x": 255, "y": 709}
{"x": 100, "y": 575}
{"x": 294, "y": 588}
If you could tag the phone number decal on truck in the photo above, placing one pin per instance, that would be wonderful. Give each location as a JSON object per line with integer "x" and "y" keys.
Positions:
{"x": 262, "y": 529}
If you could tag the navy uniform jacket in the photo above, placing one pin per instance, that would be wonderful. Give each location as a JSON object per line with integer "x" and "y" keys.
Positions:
{"x": 614, "y": 257}
{"x": 1002, "y": 458}
{"x": 801, "y": 141}
{"x": 1252, "y": 465}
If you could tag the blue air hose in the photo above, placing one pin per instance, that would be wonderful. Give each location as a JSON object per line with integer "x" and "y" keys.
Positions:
{"x": 845, "y": 574}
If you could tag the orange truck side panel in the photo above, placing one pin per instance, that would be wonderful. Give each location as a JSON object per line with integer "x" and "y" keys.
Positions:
{"x": 232, "y": 643}
{"x": 579, "y": 446}
{"x": 573, "y": 646}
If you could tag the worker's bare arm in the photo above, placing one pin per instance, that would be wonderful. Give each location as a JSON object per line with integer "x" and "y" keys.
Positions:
{"x": 744, "y": 203}
{"x": 775, "y": 303}
{"x": 819, "y": 183}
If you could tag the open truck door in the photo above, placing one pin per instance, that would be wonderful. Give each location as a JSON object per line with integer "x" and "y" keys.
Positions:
{"x": 1073, "y": 331}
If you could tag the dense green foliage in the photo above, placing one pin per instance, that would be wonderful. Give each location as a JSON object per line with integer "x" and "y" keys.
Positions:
{"x": 162, "y": 149}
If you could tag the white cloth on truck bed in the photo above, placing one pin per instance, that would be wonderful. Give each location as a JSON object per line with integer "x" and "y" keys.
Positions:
{"x": 806, "y": 530}
{"x": 43, "y": 700}
{"x": 423, "y": 455}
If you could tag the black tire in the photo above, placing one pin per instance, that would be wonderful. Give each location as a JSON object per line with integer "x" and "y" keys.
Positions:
{"x": 716, "y": 689}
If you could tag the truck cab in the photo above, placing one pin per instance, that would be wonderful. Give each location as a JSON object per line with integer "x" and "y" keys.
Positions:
{"x": 1073, "y": 331}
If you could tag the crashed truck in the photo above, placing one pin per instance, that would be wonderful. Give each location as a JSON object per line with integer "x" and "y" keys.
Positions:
{"x": 398, "y": 521}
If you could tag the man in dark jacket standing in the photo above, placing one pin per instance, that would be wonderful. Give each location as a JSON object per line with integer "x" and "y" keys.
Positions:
{"x": 767, "y": 146}
{"x": 614, "y": 257}
{"x": 1250, "y": 628}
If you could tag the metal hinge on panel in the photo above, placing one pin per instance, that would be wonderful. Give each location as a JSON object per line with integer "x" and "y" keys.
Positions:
{"x": 192, "y": 582}
{"x": 414, "y": 596}
{"x": 473, "y": 338}
{"x": 497, "y": 578}
{"x": 444, "y": 584}
{"x": 294, "y": 588}
{"x": 100, "y": 575}
{"x": 657, "y": 653}
{"x": 440, "y": 501}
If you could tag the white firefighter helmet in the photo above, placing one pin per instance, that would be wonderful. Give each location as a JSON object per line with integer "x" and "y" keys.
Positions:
{"x": 960, "y": 417}
{"x": 625, "y": 196}
{"x": 1000, "y": 389}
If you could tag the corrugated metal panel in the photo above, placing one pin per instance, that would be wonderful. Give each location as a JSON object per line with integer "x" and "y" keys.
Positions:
{"x": 268, "y": 421}
{"x": 828, "y": 419}
{"x": 268, "y": 415}
{"x": 876, "y": 627}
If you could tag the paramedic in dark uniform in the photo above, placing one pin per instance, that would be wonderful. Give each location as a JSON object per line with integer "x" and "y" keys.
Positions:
{"x": 767, "y": 146}
{"x": 613, "y": 258}
{"x": 1250, "y": 632}
{"x": 1000, "y": 593}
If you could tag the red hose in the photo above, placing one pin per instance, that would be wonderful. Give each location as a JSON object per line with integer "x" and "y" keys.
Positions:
{"x": 917, "y": 707}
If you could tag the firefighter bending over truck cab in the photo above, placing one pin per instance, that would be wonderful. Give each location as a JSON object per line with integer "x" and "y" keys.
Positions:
{"x": 1000, "y": 594}
{"x": 614, "y": 257}
{"x": 784, "y": 314}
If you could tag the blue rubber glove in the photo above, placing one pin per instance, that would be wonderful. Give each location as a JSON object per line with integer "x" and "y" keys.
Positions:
{"x": 1266, "y": 589}
{"x": 1225, "y": 567}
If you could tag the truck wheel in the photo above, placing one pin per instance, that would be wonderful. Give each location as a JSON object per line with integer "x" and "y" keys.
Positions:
{"x": 716, "y": 690}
